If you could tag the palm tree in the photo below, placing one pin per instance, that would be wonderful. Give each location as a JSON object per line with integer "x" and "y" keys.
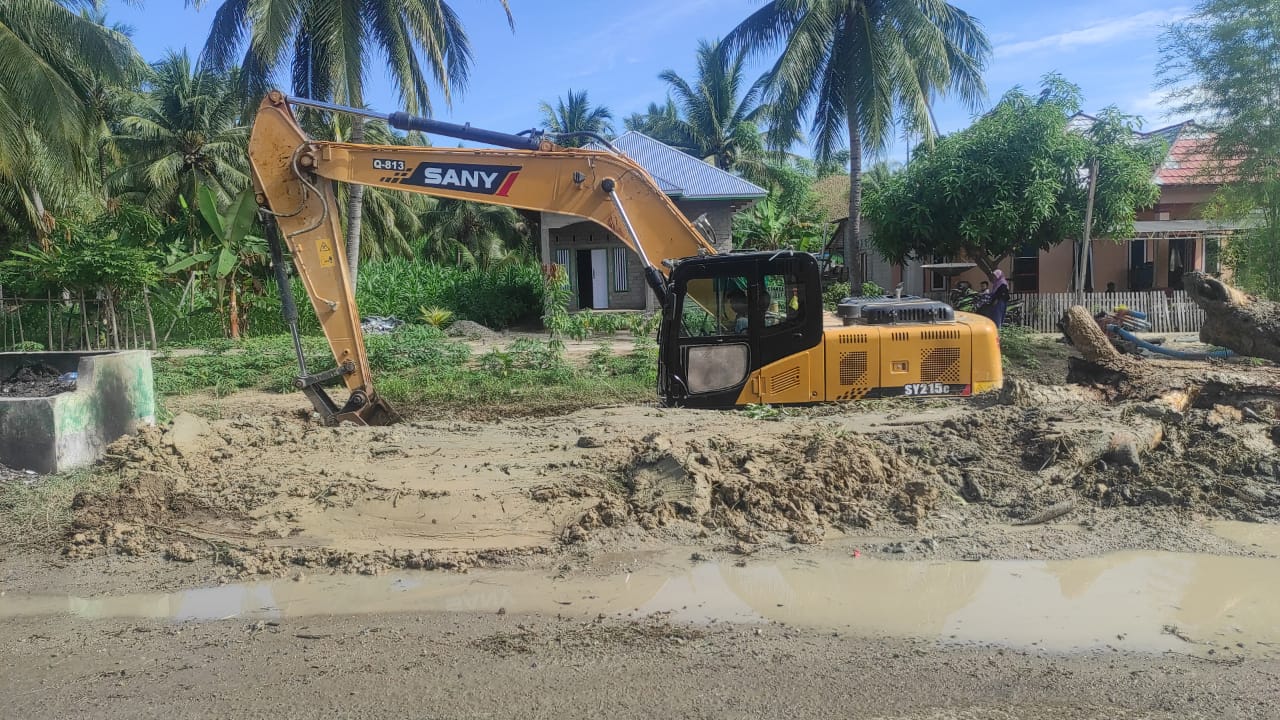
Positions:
{"x": 48, "y": 51}
{"x": 183, "y": 134}
{"x": 657, "y": 121}
{"x": 713, "y": 122}
{"x": 855, "y": 65}
{"x": 574, "y": 114}
{"x": 470, "y": 234}
{"x": 330, "y": 47}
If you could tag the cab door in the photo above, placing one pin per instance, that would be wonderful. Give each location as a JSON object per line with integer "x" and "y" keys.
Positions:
{"x": 710, "y": 344}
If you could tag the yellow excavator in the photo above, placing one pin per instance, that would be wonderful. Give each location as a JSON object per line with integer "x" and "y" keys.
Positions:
{"x": 736, "y": 328}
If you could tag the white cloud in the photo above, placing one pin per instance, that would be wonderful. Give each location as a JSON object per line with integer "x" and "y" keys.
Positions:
{"x": 1149, "y": 106}
{"x": 1099, "y": 33}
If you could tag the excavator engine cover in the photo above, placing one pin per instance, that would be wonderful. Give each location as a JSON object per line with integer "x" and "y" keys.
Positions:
{"x": 891, "y": 311}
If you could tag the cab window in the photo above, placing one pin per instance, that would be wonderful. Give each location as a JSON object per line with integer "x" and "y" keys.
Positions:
{"x": 786, "y": 300}
{"x": 715, "y": 307}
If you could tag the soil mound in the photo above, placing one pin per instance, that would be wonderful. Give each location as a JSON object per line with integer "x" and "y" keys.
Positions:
{"x": 471, "y": 331}
{"x": 798, "y": 486}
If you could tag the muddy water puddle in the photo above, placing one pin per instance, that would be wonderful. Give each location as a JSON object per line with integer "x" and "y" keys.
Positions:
{"x": 1137, "y": 601}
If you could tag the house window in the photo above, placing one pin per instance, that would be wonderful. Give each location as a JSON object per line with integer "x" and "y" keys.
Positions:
{"x": 1213, "y": 255}
{"x": 618, "y": 262}
{"x": 937, "y": 281}
{"x": 1026, "y": 269}
{"x": 562, "y": 258}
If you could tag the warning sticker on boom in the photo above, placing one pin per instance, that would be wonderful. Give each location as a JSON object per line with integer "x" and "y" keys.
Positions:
{"x": 325, "y": 248}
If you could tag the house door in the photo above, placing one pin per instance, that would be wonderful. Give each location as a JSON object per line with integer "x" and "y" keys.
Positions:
{"x": 600, "y": 278}
{"x": 1182, "y": 258}
{"x": 593, "y": 279}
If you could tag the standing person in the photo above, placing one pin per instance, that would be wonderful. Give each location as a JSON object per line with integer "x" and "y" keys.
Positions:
{"x": 997, "y": 299}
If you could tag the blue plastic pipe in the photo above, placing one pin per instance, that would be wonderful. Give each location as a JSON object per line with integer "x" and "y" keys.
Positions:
{"x": 1162, "y": 350}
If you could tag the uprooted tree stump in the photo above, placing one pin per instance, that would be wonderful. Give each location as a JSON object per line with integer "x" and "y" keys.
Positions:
{"x": 1234, "y": 320}
{"x": 1147, "y": 395}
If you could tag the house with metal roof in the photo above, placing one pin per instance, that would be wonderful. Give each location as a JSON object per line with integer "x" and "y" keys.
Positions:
{"x": 603, "y": 272}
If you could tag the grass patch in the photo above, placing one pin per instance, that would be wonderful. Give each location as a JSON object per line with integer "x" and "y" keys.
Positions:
{"x": 418, "y": 366}
{"x": 527, "y": 378}
{"x": 1018, "y": 346}
{"x": 39, "y": 512}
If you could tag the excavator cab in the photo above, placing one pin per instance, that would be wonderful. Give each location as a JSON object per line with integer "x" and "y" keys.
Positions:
{"x": 728, "y": 316}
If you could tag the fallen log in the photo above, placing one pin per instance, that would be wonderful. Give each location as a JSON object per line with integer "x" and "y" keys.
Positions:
{"x": 1234, "y": 320}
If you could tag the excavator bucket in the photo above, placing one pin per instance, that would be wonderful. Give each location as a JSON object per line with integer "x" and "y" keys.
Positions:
{"x": 375, "y": 412}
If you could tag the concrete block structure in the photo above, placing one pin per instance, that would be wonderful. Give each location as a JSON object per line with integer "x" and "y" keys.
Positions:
{"x": 114, "y": 395}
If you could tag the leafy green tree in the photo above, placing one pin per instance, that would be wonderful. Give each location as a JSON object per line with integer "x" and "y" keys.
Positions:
{"x": 470, "y": 234}
{"x": 331, "y": 46}
{"x": 574, "y": 113}
{"x": 1012, "y": 179}
{"x": 1220, "y": 66}
{"x": 853, "y": 65}
{"x": 107, "y": 256}
{"x": 49, "y": 56}
{"x": 182, "y": 136}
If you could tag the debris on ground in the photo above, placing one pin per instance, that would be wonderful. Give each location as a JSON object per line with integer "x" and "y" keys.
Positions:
{"x": 38, "y": 380}
{"x": 380, "y": 325}
{"x": 471, "y": 331}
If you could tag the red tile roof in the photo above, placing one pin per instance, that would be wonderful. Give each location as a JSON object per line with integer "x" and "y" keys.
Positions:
{"x": 1189, "y": 162}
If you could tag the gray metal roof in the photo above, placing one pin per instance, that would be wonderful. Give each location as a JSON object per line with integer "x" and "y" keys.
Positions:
{"x": 681, "y": 175}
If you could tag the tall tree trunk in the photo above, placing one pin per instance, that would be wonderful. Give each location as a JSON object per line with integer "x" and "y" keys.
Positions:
{"x": 84, "y": 322}
{"x": 235, "y": 310}
{"x": 355, "y": 212}
{"x": 853, "y": 228}
{"x": 115, "y": 325}
{"x": 151, "y": 320}
{"x": 1082, "y": 256}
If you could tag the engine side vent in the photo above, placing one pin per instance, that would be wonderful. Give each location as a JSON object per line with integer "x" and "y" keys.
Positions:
{"x": 784, "y": 380}
{"x": 939, "y": 334}
{"x": 940, "y": 365}
{"x": 899, "y": 336}
{"x": 913, "y": 311}
{"x": 853, "y": 339}
{"x": 853, "y": 368}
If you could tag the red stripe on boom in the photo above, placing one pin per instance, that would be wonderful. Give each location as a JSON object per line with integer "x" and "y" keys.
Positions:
{"x": 506, "y": 184}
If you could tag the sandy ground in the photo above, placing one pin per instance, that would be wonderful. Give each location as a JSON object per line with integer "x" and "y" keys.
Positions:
{"x": 506, "y": 666}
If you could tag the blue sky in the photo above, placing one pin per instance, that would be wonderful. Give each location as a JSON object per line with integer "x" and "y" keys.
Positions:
{"x": 616, "y": 50}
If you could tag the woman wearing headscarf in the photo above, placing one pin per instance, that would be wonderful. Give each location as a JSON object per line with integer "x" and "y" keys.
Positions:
{"x": 998, "y": 301}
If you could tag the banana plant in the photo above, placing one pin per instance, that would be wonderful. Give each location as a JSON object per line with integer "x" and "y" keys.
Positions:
{"x": 231, "y": 251}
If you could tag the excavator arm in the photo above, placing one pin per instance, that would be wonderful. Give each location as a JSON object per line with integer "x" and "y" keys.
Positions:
{"x": 292, "y": 175}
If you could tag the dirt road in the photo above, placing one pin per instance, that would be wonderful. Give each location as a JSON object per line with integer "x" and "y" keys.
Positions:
{"x": 505, "y": 666}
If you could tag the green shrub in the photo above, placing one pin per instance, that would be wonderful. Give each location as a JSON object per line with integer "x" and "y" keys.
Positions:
{"x": 496, "y": 297}
{"x": 1017, "y": 345}
{"x": 834, "y": 293}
